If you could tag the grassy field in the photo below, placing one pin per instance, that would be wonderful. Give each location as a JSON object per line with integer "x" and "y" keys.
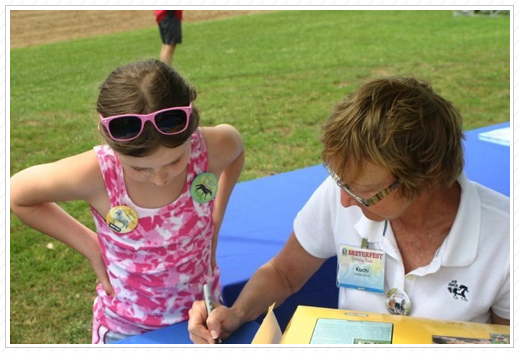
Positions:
{"x": 274, "y": 76}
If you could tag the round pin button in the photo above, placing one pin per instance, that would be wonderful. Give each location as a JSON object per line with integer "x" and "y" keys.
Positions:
{"x": 397, "y": 302}
{"x": 122, "y": 219}
{"x": 204, "y": 187}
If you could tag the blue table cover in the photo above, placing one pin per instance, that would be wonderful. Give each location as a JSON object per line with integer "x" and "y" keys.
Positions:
{"x": 178, "y": 334}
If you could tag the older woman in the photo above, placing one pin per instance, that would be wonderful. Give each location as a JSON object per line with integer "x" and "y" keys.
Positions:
{"x": 412, "y": 234}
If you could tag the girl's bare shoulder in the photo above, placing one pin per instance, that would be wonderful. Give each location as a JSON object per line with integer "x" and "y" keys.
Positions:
{"x": 224, "y": 144}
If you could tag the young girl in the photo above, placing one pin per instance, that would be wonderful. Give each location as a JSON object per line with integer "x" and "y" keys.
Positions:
{"x": 158, "y": 191}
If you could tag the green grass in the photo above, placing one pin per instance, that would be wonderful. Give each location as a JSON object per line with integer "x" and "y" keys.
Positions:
{"x": 274, "y": 76}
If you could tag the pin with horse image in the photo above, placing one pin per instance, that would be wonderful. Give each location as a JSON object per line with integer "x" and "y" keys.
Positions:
{"x": 122, "y": 219}
{"x": 204, "y": 187}
{"x": 398, "y": 302}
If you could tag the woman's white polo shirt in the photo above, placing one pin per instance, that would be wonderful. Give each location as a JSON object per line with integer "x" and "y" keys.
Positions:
{"x": 469, "y": 275}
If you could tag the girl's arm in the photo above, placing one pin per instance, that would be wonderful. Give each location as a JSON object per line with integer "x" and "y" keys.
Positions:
{"x": 35, "y": 191}
{"x": 226, "y": 158}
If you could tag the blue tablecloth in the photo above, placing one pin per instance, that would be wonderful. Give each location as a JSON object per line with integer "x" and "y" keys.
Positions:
{"x": 259, "y": 220}
{"x": 178, "y": 334}
{"x": 488, "y": 163}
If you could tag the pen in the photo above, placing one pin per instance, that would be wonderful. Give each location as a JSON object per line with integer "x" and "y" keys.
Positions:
{"x": 209, "y": 305}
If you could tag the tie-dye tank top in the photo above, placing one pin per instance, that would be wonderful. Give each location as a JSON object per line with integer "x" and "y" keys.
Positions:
{"x": 158, "y": 269}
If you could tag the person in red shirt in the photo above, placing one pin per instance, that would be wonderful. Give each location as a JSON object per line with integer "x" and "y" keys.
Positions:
{"x": 170, "y": 27}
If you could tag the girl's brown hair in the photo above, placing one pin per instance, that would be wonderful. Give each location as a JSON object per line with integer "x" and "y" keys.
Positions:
{"x": 142, "y": 88}
{"x": 402, "y": 125}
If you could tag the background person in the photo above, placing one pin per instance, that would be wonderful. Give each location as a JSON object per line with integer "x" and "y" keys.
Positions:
{"x": 170, "y": 27}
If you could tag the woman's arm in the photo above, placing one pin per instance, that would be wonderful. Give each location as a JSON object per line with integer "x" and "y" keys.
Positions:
{"x": 499, "y": 320}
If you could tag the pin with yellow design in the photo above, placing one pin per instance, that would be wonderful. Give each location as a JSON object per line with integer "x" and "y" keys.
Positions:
{"x": 122, "y": 219}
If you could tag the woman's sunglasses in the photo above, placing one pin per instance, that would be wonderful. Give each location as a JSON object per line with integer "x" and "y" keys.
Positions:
{"x": 127, "y": 127}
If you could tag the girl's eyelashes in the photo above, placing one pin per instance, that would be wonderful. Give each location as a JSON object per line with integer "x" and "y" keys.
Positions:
{"x": 138, "y": 169}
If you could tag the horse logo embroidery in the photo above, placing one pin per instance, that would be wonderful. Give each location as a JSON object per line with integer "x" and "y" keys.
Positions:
{"x": 458, "y": 290}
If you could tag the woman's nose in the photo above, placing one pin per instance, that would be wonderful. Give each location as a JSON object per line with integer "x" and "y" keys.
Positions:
{"x": 347, "y": 200}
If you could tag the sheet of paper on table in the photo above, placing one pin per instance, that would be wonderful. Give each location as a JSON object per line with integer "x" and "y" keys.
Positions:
{"x": 499, "y": 136}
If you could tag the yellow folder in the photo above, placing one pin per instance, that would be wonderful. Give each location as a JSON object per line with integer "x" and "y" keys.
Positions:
{"x": 333, "y": 326}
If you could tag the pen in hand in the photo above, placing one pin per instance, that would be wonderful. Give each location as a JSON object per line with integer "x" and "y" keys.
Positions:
{"x": 209, "y": 305}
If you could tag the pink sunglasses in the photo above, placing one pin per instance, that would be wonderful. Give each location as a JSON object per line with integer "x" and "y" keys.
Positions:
{"x": 127, "y": 127}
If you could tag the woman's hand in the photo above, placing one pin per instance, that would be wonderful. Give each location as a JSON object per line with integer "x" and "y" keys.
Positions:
{"x": 219, "y": 325}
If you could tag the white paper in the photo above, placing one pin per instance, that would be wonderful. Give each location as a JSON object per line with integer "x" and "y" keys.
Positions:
{"x": 499, "y": 136}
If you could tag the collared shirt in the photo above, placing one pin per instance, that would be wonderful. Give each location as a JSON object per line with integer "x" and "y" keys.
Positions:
{"x": 468, "y": 276}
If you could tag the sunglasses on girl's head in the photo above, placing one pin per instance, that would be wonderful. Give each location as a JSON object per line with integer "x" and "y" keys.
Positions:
{"x": 127, "y": 127}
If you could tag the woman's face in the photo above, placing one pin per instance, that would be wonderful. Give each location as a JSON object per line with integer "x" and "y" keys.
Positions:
{"x": 371, "y": 181}
{"x": 159, "y": 168}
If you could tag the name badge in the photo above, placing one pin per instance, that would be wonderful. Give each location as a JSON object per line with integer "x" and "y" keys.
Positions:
{"x": 361, "y": 269}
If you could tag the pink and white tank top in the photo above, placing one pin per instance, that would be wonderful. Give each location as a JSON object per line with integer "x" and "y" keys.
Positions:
{"x": 158, "y": 269}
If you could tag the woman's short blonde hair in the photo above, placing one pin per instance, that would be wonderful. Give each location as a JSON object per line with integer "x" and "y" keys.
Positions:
{"x": 402, "y": 125}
